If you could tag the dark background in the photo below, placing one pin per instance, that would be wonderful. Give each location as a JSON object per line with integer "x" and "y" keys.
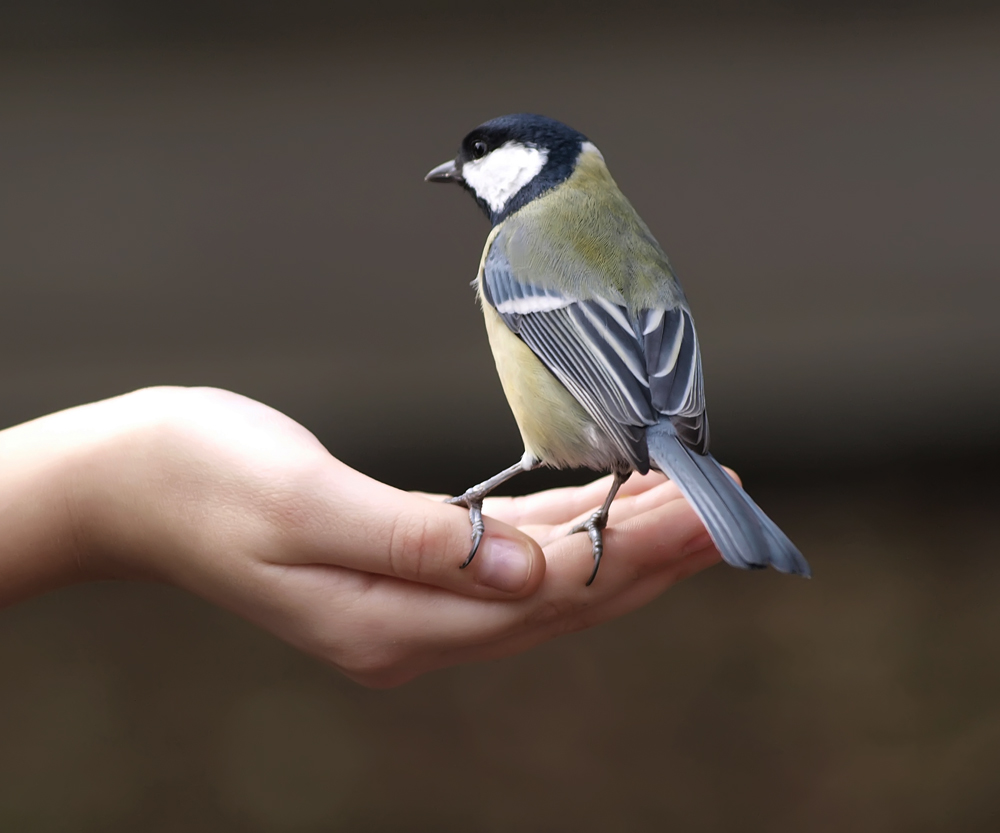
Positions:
{"x": 231, "y": 194}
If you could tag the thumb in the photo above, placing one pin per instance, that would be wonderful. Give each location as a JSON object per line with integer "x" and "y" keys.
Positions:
{"x": 375, "y": 528}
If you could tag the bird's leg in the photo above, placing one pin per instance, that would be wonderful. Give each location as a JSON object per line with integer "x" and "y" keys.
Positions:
{"x": 473, "y": 498}
{"x": 594, "y": 525}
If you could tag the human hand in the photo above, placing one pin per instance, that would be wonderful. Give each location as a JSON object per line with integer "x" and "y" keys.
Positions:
{"x": 236, "y": 502}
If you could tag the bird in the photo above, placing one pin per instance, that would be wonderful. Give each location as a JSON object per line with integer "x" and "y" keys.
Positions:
{"x": 593, "y": 338}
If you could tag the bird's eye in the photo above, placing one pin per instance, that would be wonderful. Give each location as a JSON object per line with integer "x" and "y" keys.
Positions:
{"x": 479, "y": 150}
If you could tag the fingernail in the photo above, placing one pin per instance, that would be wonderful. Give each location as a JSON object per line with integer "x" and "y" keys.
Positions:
{"x": 503, "y": 565}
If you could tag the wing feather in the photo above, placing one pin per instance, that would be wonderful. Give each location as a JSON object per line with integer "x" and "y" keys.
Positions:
{"x": 626, "y": 368}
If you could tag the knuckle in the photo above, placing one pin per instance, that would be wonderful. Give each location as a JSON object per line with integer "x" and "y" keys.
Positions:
{"x": 561, "y": 616}
{"x": 573, "y": 624}
{"x": 550, "y": 611}
{"x": 290, "y": 504}
{"x": 378, "y": 667}
{"x": 368, "y": 662}
{"x": 517, "y": 508}
{"x": 411, "y": 545}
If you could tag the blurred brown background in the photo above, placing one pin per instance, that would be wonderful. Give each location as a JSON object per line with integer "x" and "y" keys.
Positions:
{"x": 231, "y": 194}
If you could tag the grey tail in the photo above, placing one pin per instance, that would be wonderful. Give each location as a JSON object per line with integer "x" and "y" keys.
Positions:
{"x": 745, "y": 536}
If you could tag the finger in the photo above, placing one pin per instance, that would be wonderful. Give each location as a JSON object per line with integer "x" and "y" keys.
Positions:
{"x": 622, "y": 509}
{"x": 639, "y": 594}
{"x": 734, "y": 475}
{"x": 359, "y": 523}
{"x": 637, "y": 576}
{"x": 548, "y": 515}
{"x": 556, "y": 506}
{"x": 555, "y": 620}
{"x": 642, "y": 547}
{"x": 645, "y": 536}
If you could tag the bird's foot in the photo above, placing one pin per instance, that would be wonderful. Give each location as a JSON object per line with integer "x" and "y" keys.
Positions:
{"x": 473, "y": 501}
{"x": 474, "y": 497}
{"x": 594, "y": 527}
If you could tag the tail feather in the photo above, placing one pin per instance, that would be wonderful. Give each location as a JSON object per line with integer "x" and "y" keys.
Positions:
{"x": 745, "y": 536}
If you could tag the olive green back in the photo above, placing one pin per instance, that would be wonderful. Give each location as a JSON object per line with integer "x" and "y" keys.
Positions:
{"x": 584, "y": 238}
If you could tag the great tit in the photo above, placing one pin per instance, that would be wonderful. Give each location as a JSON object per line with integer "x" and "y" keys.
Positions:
{"x": 592, "y": 335}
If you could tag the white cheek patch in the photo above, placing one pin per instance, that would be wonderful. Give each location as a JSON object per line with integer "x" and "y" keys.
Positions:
{"x": 499, "y": 175}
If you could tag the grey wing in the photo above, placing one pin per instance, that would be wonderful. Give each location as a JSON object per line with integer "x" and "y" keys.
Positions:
{"x": 621, "y": 367}
{"x": 673, "y": 359}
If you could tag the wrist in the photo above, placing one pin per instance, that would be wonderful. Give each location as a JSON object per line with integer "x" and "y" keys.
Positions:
{"x": 40, "y": 547}
{"x": 72, "y": 485}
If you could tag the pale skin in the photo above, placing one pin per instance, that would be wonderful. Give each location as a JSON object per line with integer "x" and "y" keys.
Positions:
{"x": 235, "y": 502}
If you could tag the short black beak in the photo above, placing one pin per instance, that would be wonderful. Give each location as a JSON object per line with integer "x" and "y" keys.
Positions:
{"x": 448, "y": 172}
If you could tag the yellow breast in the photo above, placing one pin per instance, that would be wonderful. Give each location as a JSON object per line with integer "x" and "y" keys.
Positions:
{"x": 554, "y": 426}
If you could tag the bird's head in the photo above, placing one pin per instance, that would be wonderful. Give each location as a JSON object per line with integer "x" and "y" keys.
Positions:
{"x": 509, "y": 161}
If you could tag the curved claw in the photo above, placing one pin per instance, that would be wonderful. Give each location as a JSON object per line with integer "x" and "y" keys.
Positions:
{"x": 475, "y": 506}
{"x": 594, "y": 527}
{"x": 597, "y": 542}
{"x": 473, "y": 498}
{"x": 478, "y": 528}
